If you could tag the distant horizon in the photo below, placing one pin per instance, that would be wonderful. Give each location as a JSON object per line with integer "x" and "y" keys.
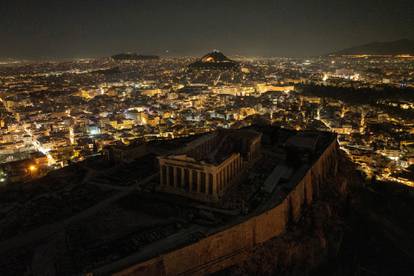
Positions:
{"x": 97, "y": 28}
{"x": 169, "y": 55}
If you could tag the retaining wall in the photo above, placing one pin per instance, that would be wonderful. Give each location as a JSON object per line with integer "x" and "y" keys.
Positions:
{"x": 230, "y": 246}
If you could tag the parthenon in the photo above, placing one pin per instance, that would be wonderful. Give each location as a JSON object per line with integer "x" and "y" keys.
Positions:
{"x": 208, "y": 166}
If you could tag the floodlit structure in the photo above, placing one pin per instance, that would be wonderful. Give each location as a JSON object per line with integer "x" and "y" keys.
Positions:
{"x": 210, "y": 165}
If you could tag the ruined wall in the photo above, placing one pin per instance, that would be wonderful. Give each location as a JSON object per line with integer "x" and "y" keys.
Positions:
{"x": 210, "y": 249}
{"x": 271, "y": 223}
{"x": 230, "y": 246}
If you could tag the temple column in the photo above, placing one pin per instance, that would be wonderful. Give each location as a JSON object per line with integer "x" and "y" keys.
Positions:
{"x": 174, "y": 169}
{"x": 171, "y": 173}
{"x": 182, "y": 184}
{"x": 235, "y": 165}
{"x": 227, "y": 173}
{"x": 221, "y": 180}
{"x": 198, "y": 181}
{"x": 171, "y": 176}
{"x": 213, "y": 182}
{"x": 162, "y": 176}
{"x": 203, "y": 177}
{"x": 223, "y": 183}
{"x": 165, "y": 176}
{"x": 195, "y": 181}
{"x": 190, "y": 179}
{"x": 177, "y": 177}
{"x": 217, "y": 177}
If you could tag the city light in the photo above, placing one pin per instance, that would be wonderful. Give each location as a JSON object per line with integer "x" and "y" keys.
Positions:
{"x": 219, "y": 92}
{"x": 288, "y": 152}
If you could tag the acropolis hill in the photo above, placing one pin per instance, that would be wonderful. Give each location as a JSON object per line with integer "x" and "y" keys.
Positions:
{"x": 238, "y": 188}
{"x": 186, "y": 206}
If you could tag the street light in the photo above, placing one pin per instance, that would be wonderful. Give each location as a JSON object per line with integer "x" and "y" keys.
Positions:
{"x": 32, "y": 168}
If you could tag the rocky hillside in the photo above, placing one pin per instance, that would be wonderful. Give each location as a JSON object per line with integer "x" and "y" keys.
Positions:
{"x": 353, "y": 229}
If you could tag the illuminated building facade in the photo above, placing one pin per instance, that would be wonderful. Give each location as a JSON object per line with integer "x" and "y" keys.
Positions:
{"x": 209, "y": 165}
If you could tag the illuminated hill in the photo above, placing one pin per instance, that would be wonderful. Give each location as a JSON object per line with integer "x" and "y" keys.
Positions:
{"x": 214, "y": 60}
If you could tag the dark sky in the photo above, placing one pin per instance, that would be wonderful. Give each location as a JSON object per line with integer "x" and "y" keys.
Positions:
{"x": 86, "y": 28}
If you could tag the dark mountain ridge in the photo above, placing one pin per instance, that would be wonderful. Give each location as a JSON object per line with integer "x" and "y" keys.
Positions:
{"x": 397, "y": 47}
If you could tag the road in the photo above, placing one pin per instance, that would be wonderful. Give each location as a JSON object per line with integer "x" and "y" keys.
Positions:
{"x": 35, "y": 143}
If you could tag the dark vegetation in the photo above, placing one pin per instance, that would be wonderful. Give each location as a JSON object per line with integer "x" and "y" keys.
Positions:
{"x": 365, "y": 96}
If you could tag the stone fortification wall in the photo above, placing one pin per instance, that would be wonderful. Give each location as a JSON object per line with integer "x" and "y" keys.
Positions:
{"x": 231, "y": 245}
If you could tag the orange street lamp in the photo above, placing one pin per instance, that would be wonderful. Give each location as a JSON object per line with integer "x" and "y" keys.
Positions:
{"x": 32, "y": 168}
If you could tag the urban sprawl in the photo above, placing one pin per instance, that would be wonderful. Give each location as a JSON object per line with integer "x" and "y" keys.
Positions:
{"x": 53, "y": 114}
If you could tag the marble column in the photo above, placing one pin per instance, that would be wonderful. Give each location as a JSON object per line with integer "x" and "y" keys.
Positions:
{"x": 217, "y": 176}
{"x": 182, "y": 178}
{"x": 162, "y": 176}
{"x": 212, "y": 180}
{"x": 223, "y": 177}
{"x": 175, "y": 177}
{"x": 167, "y": 177}
{"x": 190, "y": 180}
{"x": 198, "y": 181}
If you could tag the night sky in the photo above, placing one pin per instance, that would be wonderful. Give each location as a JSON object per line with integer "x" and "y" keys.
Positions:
{"x": 89, "y": 28}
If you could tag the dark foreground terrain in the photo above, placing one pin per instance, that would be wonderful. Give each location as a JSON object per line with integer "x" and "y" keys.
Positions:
{"x": 355, "y": 229}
